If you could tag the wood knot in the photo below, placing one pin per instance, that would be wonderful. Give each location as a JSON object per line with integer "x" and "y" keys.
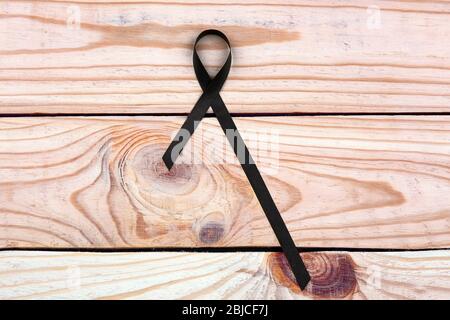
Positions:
{"x": 157, "y": 193}
{"x": 148, "y": 171}
{"x": 211, "y": 233}
{"x": 179, "y": 174}
{"x": 210, "y": 228}
{"x": 332, "y": 274}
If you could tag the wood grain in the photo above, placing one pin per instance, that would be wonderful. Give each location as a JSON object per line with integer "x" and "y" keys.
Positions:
{"x": 366, "y": 182}
{"x": 290, "y": 56}
{"x": 159, "y": 275}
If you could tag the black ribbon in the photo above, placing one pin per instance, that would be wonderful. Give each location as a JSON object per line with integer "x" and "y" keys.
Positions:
{"x": 211, "y": 97}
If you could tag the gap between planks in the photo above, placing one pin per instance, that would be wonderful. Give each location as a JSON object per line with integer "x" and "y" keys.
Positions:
{"x": 217, "y": 249}
{"x": 211, "y": 114}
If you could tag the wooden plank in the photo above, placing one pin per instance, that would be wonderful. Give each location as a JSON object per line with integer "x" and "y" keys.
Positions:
{"x": 294, "y": 56}
{"x": 159, "y": 275}
{"x": 366, "y": 182}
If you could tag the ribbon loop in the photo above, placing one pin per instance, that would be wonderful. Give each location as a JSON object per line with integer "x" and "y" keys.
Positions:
{"x": 211, "y": 98}
{"x": 214, "y": 85}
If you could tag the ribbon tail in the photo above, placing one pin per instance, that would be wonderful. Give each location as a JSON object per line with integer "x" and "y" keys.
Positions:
{"x": 262, "y": 193}
{"x": 186, "y": 131}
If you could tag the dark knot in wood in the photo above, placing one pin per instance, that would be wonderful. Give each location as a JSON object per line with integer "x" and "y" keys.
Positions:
{"x": 332, "y": 274}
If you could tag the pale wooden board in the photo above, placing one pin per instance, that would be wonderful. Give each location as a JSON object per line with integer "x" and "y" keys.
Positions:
{"x": 366, "y": 182}
{"x": 289, "y": 56}
{"x": 159, "y": 275}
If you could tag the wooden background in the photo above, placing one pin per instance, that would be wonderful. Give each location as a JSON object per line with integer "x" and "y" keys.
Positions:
{"x": 358, "y": 92}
